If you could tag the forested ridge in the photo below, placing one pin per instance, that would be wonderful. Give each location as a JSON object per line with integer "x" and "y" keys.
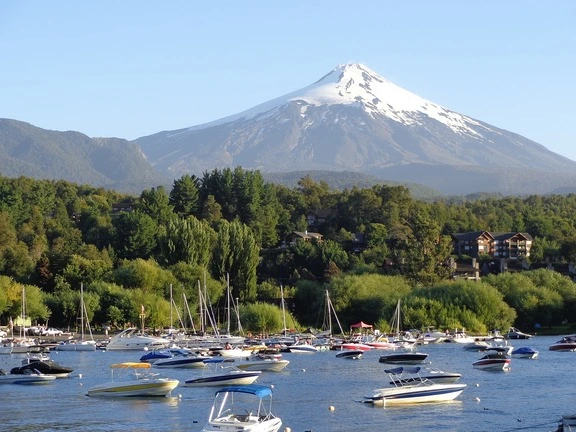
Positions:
{"x": 56, "y": 235}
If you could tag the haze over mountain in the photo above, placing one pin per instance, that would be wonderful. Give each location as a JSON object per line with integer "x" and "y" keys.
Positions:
{"x": 114, "y": 163}
{"x": 353, "y": 119}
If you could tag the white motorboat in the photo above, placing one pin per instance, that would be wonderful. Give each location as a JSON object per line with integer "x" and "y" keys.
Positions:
{"x": 525, "y": 352}
{"x": 567, "y": 343}
{"x": 29, "y": 377}
{"x": 264, "y": 364}
{"x": 417, "y": 390}
{"x": 477, "y": 345}
{"x": 135, "y": 339}
{"x": 460, "y": 336}
{"x": 236, "y": 352}
{"x": 303, "y": 347}
{"x": 223, "y": 375}
{"x": 137, "y": 383}
{"x": 180, "y": 358}
{"x": 567, "y": 423}
{"x": 514, "y": 333}
{"x": 494, "y": 362}
{"x": 242, "y": 408}
{"x": 350, "y": 354}
{"x": 434, "y": 375}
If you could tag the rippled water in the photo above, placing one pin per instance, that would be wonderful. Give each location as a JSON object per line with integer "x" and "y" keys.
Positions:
{"x": 532, "y": 396}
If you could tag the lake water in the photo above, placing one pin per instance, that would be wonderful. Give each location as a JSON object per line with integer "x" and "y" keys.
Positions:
{"x": 532, "y": 396}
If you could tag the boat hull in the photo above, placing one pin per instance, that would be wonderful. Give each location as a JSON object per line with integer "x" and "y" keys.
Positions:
{"x": 264, "y": 365}
{"x": 350, "y": 354}
{"x": 234, "y": 425}
{"x": 233, "y": 378}
{"x": 403, "y": 358}
{"x": 192, "y": 362}
{"x": 416, "y": 394}
{"x": 145, "y": 388}
{"x": 492, "y": 364}
{"x": 31, "y": 379}
{"x": 76, "y": 346}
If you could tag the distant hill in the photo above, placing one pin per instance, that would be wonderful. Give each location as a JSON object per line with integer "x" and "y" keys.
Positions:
{"x": 340, "y": 180}
{"x": 114, "y": 163}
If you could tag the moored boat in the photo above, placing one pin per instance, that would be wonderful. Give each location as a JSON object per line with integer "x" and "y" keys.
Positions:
{"x": 42, "y": 364}
{"x": 567, "y": 343}
{"x": 223, "y": 375}
{"x": 27, "y": 378}
{"x": 134, "y": 339}
{"x": 525, "y": 352}
{"x": 418, "y": 390}
{"x": 137, "y": 384}
{"x": 350, "y": 354}
{"x": 408, "y": 358}
{"x": 434, "y": 375}
{"x": 493, "y": 362}
{"x": 242, "y": 408}
{"x": 263, "y": 364}
{"x": 514, "y": 333}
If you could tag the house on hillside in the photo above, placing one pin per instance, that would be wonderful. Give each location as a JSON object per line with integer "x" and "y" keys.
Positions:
{"x": 303, "y": 235}
{"x": 318, "y": 217}
{"x": 503, "y": 245}
{"x": 121, "y": 207}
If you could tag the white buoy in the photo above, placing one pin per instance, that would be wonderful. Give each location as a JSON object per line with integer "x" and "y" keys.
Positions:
{"x": 303, "y": 370}
{"x": 477, "y": 385}
{"x": 331, "y": 408}
{"x": 477, "y": 399}
{"x": 287, "y": 430}
{"x": 80, "y": 376}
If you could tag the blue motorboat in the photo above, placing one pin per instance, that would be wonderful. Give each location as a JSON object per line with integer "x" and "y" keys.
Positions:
{"x": 525, "y": 352}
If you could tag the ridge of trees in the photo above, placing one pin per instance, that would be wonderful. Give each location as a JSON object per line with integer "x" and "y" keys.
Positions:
{"x": 55, "y": 235}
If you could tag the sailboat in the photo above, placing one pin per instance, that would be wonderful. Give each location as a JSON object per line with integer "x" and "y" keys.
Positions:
{"x": 83, "y": 343}
{"x": 404, "y": 340}
{"x": 21, "y": 344}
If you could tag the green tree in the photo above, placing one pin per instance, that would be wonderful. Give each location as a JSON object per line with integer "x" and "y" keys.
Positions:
{"x": 188, "y": 241}
{"x": 236, "y": 253}
{"x": 156, "y": 204}
{"x": 136, "y": 235}
{"x": 185, "y": 196}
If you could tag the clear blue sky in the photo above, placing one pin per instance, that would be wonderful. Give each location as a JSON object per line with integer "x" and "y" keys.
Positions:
{"x": 131, "y": 68}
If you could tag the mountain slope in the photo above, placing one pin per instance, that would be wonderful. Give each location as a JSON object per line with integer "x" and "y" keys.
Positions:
{"x": 115, "y": 163}
{"x": 351, "y": 119}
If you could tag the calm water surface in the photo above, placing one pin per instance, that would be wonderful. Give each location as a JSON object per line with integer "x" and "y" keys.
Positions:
{"x": 532, "y": 396}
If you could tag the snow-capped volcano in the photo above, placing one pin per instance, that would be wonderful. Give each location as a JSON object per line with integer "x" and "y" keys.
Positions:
{"x": 350, "y": 119}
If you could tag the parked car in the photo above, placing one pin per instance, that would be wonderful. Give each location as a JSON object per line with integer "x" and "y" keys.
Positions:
{"x": 33, "y": 331}
{"x": 51, "y": 331}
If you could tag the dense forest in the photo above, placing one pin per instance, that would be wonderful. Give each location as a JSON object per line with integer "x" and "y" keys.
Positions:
{"x": 231, "y": 228}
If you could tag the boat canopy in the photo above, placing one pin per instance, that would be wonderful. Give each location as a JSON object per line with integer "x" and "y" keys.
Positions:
{"x": 254, "y": 389}
{"x": 135, "y": 365}
{"x": 407, "y": 369}
{"x": 361, "y": 324}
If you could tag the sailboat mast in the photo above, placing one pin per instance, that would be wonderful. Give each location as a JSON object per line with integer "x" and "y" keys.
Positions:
{"x": 283, "y": 309}
{"x": 82, "y": 310}
{"x": 228, "y": 303}
{"x": 329, "y": 312}
{"x": 171, "y": 303}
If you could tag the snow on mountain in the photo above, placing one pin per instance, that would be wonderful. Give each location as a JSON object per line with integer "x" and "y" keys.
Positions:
{"x": 357, "y": 85}
{"x": 352, "y": 119}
